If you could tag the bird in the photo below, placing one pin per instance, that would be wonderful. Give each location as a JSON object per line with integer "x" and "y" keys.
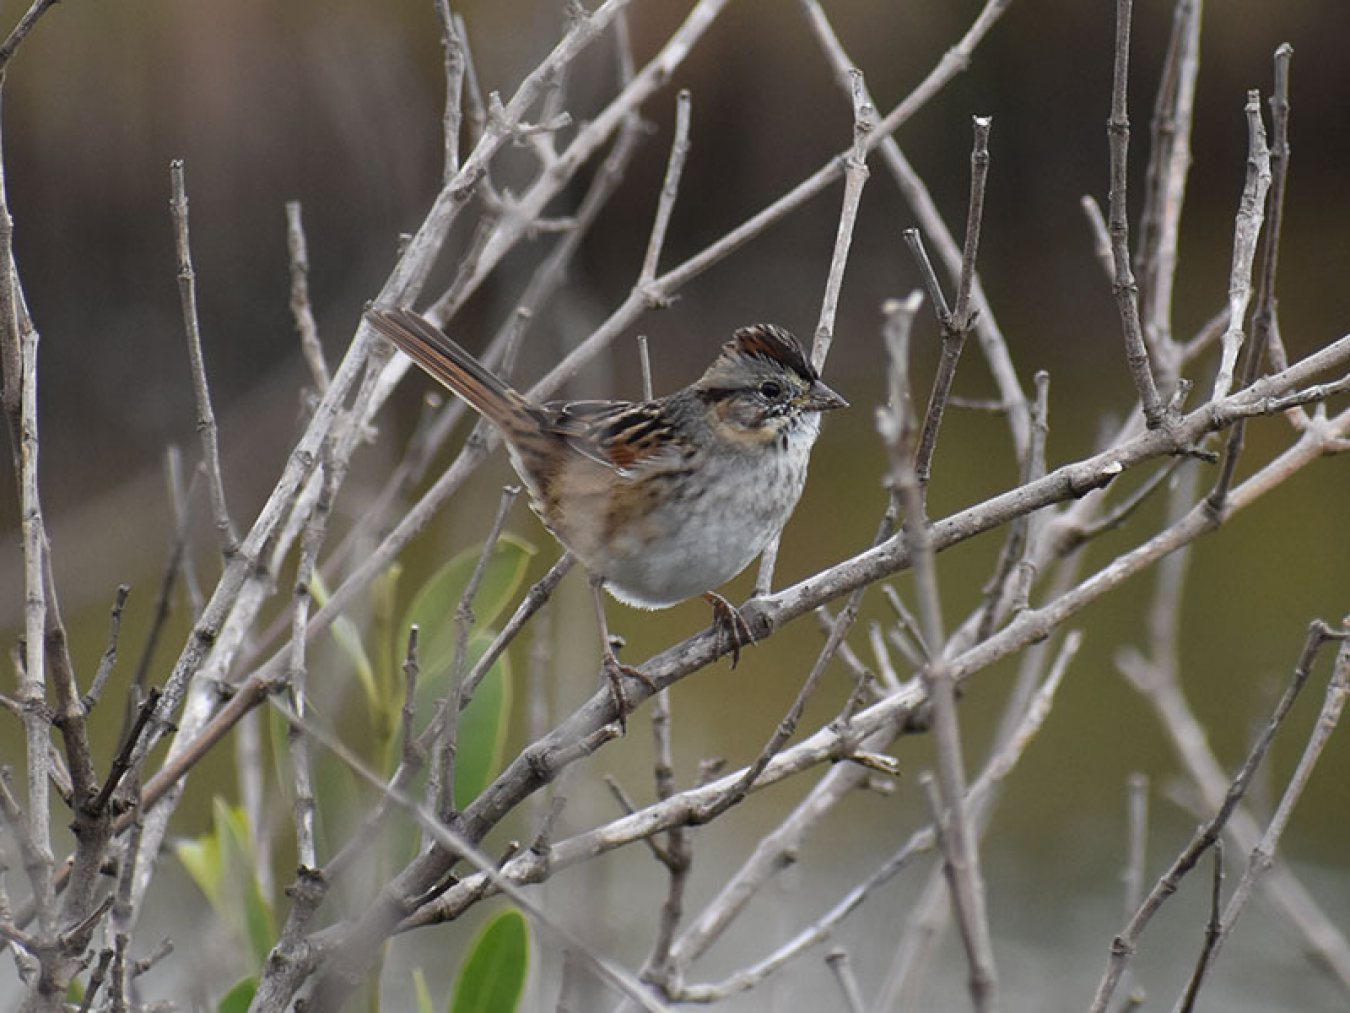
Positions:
{"x": 660, "y": 500}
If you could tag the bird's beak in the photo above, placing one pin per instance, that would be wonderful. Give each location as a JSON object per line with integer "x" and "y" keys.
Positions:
{"x": 821, "y": 399}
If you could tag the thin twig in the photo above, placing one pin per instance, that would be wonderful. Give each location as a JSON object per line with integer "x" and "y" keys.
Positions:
{"x": 1186, "y": 1004}
{"x": 1016, "y": 556}
{"x": 412, "y": 669}
{"x": 955, "y": 830}
{"x": 1126, "y": 942}
{"x": 303, "y": 804}
{"x": 1264, "y": 321}
{"x": 179, "y": 561}
{"x": 1250, "y": 216}
{"x": 788, "y": 725}
{"x": 1123, "y": 285}
{"x": 838, "y": 962}
{"x": 612, "y": 973}
{"x": 109, "y": 659}
{"x": 645, "y": 363}
{"x": 1263, "y": 855}
{"x": 956, "y": 324}
{"x": 206, "y": 417}
{"x": 1136, "y": 850}
{"x": 1101, "y": 236}
{"x": 1246, "y": 233}
{"x": 1122, "y": 511}
{"x": 996, "y": 769}
{"x": 670, "y": 188}
{"x": 676, "y": 855}
{"x": 855, "y": 177}
{"x": 21, "y": 30}
{"x": 36, "y": 844}
{"x": 456, "y": 696}
{"x": 455, "y": 65}
{"x": 912, "y": 187}
{"x": 1165, "y": 187}
{"x": 122, "y": 762}
{"x": 302, "y": 312}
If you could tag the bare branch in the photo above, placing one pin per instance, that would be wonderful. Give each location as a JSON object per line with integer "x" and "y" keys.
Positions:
{"x": 838, "y": 961}
{"x": 1124, "y": 287}
{"x": 1165, "y": 187}
{"x": 1124, "y": 945}
{"x": 301, "y": 310}
{"x": 455, "y": 65}
{"x": 1186, "y": 1004}
{"x": 21, "y": 30}
{"x": 1250, "y": 216}
{"x": 855, "y": 177}
{"x": 916, "y": 193}
{"x": 1263, "y": 855}
{"x": 670, "y": 188}
{"x": 459, "y": 694}
{"x": 206, "y": 417}
{"x": 1264, "y": 323}
{"x": 109, "y": 659}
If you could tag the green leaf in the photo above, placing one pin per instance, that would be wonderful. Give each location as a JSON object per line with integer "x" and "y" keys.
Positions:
{"x": 202, "y": 859}
{"x": 232, "y": 824}
{"x": 384, "y": 632}
{"x": 481, "y": 742}
{"x": 348, "y": 637}
{"x": 425, "y": 1004}
{"x": 239, "y": 998}
{"x": 492, "y": 979}
{"x": 224, "y": 866}
{"x": 433, "y": 606}
{"x": 481, "y": 733}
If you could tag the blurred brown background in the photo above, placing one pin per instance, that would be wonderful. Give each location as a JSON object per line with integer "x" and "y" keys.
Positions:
{"x": 337, "y": 103}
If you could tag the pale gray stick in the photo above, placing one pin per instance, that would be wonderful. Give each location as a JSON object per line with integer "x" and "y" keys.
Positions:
{"x": 302, "y": 312}
{"x": 838, "y": 962}
{"x": 1263, "y": 855}
{"x": 21, "y": 30}
{"x": 455, "y": 66}
{"x": 1126, "y": 942}
{"x": 456, "y": 699}
{"x": 956, "y": 832}
{"x": 1165, "y": 188}
{"x": 206, "y": 416}
{"x": 1246, "y": 234}
{"x": 611, "y": 972}
{"x": 1065, "y": 482}
{"x": 303, "y": 803}
{"x": 999, "y": 765}
{"x": 992, "y": 344}
{"x": 670, "y": 189}
{"x": 828, "y": 743}
{"x": 1126, "y": 291}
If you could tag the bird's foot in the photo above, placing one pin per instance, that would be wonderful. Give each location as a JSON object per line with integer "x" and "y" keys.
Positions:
{"x": 730, "y": 624}
{"x": 615, "y": 671}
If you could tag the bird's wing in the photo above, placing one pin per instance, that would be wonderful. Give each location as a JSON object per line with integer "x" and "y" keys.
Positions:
{"x": 629, "y": 437}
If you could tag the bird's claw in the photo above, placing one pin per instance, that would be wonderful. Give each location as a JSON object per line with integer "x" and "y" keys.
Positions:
{"x": 615, "y": 670}
{"x": 730, "y": 624}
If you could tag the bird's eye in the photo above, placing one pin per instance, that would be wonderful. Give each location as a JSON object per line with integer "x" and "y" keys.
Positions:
{"x": 771, "y": 389}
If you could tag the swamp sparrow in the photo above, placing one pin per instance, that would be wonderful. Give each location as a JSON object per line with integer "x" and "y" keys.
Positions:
{"x": 660, "y": 500}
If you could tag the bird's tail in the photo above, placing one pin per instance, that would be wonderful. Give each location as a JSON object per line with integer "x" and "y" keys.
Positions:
{"x": 428, "y": 346}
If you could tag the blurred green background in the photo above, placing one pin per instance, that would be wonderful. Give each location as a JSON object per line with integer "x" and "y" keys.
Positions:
{"x": 337, "y": 103}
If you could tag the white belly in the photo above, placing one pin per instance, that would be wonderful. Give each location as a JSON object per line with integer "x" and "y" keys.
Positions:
{"x": 706, "y": 540}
